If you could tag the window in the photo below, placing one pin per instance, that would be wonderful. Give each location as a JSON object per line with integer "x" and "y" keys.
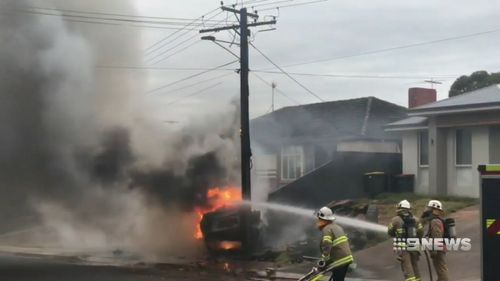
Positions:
{"x": 495, "y": 144}
{"x": 423, "y": 145}
{"x": 292, "y": 162}
{"x": 463, "y": 145}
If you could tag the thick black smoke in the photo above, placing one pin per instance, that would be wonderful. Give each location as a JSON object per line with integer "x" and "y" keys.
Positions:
{"x": 112, "y": 164}
{"x": 85, "y": 168}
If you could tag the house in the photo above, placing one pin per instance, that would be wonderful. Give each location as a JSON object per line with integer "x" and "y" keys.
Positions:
{"x": 443, "y": 142}
{"x": 301, "y": 147}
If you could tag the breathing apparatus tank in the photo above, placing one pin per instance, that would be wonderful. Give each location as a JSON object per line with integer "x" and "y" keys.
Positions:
{"x": 411, "y": 227}
{"x": 450, "y": 228}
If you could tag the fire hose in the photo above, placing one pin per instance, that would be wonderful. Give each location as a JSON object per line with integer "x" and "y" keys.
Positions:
{"x": 428, "y": 264}
{"x": 314, "y": 274}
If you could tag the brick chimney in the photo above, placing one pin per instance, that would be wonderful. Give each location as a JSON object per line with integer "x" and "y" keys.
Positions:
{"x": 421, "y": 96}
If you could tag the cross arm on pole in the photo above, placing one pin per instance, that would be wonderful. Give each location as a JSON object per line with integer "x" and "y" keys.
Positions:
{"x": 236, "y": 26}
{"x": 227, "y": 9}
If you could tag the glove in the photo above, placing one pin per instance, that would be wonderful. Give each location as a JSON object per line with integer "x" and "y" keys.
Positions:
{"x": 352, "y": 267}
{"x": 321, "y": 264}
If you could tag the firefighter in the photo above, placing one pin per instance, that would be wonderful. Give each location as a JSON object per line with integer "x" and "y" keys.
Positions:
{"x": 404, "y": 225}
{"x": 335, "y": 250}
{"x": 434, "y": 215}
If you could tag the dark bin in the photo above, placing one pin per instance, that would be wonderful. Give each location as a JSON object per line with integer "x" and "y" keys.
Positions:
{"x": 404, "y": 183}
{"x": 375, "y": 183}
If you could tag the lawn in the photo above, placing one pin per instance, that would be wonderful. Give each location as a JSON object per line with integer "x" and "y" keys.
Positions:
{"x": 387, "y": 202}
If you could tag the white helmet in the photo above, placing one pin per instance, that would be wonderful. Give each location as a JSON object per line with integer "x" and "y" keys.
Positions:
{"x": 435, "y": 204}
{"x": 326, "y": 214}
{"x": 404, "y": 205}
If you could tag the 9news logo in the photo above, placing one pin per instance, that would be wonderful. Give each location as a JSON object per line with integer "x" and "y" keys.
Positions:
{"x": 432, "y": 244}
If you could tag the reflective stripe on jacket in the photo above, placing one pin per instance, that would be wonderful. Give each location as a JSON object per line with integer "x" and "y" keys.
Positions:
{"x": 335, "y": 249}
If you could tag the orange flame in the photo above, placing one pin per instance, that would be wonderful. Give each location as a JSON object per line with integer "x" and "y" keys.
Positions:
{"x": 227, "y": 267}
{"x": 217, "y": 198}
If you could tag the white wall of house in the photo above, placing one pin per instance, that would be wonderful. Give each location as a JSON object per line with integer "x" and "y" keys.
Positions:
{"x": 265, "y": 165}
{"x": 411, "y": 162}
{"x": 462, "y": 180}
{"x": 422, "y": 181}
{"x": 480, "y": 155}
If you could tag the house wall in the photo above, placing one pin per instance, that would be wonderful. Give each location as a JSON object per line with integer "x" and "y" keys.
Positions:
{"x": 337, "y": 180}
{"x": 459, "y": 180}
{"x": 411, "y": 162}
{"x": 268, "y": 167}
{"x": 309, "y": 163}
{"x": 438, "y": 155}
{"x": 464, "y": 180}
{"x": 455, "y": 180}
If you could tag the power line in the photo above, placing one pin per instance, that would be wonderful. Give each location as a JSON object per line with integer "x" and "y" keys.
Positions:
{"x": 287, "y": 74}
{"x": 199, "y": 82}
{"x": 163, "y": 45}
{"x": 292, "y": 5}
{"x": 154, "y": 47}
{"x": 251, "y": 2}
{"x": 194, "y": 94}
{"x": 152, "y": 61}
{"x": 397, "y": 47}
{"x": 190, "y": 77}
{"x": 112, "y": 19}
{"x": 195, "y": 36}
{"x": 126, "y": 67}
{"x": 336, "y": 75}
{"x": 113, "y": 23}
{"x": 277, "y": 90}
{"x": 120, "y": 24}
{"x": 109, "y": 14}
{"x": 272, "y": 3}
{"x": 362, "y": 76}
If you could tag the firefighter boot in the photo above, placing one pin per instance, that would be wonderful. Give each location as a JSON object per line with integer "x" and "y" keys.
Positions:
{"x": 415, "y": 256}
{"x": 406, "y": 266}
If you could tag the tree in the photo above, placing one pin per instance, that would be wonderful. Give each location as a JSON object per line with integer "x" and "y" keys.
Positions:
{"x": 475, "y": 81}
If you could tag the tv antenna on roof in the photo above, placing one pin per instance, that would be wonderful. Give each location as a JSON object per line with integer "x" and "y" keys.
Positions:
{"x": 433, "y": 82}
{"x": 273, "y": 86}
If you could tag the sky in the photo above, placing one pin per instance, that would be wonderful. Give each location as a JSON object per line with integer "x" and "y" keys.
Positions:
{"x": 322, "y": 30}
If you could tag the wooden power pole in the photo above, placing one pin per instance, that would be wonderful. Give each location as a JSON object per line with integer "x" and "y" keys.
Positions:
{"x": 244, "y": 33}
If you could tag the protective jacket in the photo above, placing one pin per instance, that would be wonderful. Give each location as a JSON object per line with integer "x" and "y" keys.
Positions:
{"x": 409, "y": 260}
{"x": 436, "y": 230}
{"x": 397, "y": 227}
{"x": 335, "y": 249}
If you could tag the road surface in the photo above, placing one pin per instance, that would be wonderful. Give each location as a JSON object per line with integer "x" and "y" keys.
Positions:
{"x": 381, "y": 262}
{"x": 22, "y": 268}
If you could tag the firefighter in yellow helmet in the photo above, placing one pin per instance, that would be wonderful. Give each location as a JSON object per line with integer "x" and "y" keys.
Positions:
{"x": 434, "y": 216}
{"x": 336, "y": 253}
{"x": 404, "y": 225}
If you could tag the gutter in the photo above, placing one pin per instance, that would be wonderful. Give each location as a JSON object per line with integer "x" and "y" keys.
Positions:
{"x": 451, "y": 110}
{"x": 396, "y": 129}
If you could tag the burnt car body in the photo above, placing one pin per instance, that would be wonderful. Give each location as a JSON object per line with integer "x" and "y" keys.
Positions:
{"x": 231, "y": 230}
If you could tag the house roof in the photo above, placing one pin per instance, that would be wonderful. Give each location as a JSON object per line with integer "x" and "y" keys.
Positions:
{"x": 410, "y": 123}
{"x": 344, "y": 119}
{"x": 483, "y": 99}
